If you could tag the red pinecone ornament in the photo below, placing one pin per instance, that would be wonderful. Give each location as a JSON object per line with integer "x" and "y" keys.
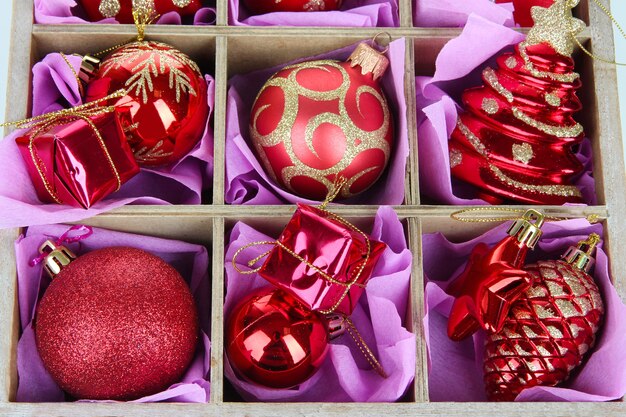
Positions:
{"x": 514, "y": 142}
{"x": 549, "y": 330}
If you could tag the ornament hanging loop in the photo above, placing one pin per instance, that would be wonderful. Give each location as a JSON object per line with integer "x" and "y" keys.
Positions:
{"x": 334, "y": 191}
{"x": 385, "y": 45}
{"x": 581, "y": 255}
{"x": 527, "y": 232}
{"x": 144, "y": 14}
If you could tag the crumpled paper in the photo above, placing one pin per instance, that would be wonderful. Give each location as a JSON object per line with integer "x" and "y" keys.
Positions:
{"x": 55, "y": 87}
{"x": 191, "y": 261}
{"x": 454, "y": 13}
{"x": 455, "y": 368}
{"x": 353, "y": 13}
{"x": 379, "y": 317}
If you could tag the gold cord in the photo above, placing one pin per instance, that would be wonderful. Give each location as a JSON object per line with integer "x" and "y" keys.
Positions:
{"x": 81, "y": 90}
{"x": 570, "y": 4}
{"x": 460, "y": 215}
{"x": 365, "y": 350}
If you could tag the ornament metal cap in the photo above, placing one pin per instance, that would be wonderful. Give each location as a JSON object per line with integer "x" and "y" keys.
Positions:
{"x": 370, "y": 60}
{"x": 528, "y": 233}
{"x": 88, "y": 68}
{"x": 336, "y": 326}
{"x": 581, "y": 256}
{"x": 57, "y": 257}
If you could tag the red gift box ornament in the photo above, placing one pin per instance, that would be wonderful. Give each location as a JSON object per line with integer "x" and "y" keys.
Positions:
{"x": 78, "y": 156}
{"x": 321, "y": 259}
{"x": 550, "y": 329}
{"x": 493, "y": 279}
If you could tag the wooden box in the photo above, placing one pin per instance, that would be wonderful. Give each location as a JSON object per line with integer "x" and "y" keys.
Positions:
{"x": 225, "y": 50}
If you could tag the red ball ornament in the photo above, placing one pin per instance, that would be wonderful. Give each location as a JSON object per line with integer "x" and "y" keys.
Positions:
{"x": 274, "y": 341}
{"x": 115, "y": 324}
{"x": 167, "y": 96}
{"x": 269, "y": 6}
{"x": 493, "y": 279}
{"x": 549, "y": 330}
{"x": 317, "y": 120}
{"x": 122, "y": 10}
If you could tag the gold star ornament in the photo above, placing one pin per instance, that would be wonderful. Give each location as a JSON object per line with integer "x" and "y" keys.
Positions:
{"x": 556, "y": 26}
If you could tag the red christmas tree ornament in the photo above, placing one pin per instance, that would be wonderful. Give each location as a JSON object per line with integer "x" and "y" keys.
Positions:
{"x": 269, "y": 6}
{"x": 319, "y": 120}
{"x": 114, "y": 324}
{"x": 493, "y": 279}
{"x": 167, "y": 96}
{"x": 522, "y": 9}
{"x": 514, "y": 141}
{"x": 122, "y": 10}
{"x": 549, "y": 330}
{"x": 274, "y": 341}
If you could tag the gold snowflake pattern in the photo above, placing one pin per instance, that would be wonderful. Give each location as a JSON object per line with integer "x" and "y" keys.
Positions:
{"x": 157, "y": 59}
{"x": 145, "y": 154}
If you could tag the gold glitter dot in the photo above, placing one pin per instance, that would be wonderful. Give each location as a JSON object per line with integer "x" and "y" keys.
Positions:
{"x": 552, "y": 99}
{"x": 181, "y": 3}
{"x": 511, "y": 62}
{"x": 522, "y": 153}
{"x": 109, "y": 8}
{"x": 490, "y": 105}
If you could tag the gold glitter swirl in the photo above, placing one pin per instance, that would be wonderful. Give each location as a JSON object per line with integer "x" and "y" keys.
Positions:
{"x": 491, "y": 78}
{"x": 560, "y": 190}
{"x": 472, "y": 138}
{"x": 564, "y": 78}
{"x": 558, "y": 131}
{"x": 357, "y": 140}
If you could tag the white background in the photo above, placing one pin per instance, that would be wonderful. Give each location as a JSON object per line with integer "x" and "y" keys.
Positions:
{"x": 619, "y": 11}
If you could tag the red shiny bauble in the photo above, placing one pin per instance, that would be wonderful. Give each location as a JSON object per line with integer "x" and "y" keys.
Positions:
{"x": 116, "y": 324}
{"x": 547, "y": 332}
{"x": 269, "y": 6}
{"x": 122, "y": 10}
{"x": 167, "y": 96}
{"x": 274, "y": 341}
{"x": 317, "y": 120}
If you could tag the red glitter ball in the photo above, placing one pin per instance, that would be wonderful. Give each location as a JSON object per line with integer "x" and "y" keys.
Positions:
{"x": 118, "y": 324}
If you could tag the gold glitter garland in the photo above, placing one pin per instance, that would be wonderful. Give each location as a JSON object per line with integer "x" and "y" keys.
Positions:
{"x": 558, "y": 190}
{"x": 490, "y": 76}
{"x": 292, "y": 90}
{"x": 558, "y": 131}
{"x": 564, "y": 78}
{"x": 472, "y": 138}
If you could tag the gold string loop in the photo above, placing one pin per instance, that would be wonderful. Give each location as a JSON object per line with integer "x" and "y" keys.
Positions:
{"x": 465, "y": 216}
{"x": 607, "y": 12}
{"x": 144, "y": 14}
{"x": 365, "y": 350}
{"x": 81, "y": 89}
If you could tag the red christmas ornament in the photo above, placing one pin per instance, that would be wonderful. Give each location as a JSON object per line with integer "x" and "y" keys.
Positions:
{"x": 122, "y": 10}
{"x": 167, "y": 96}
{"x": 269, "y": 6}
{"x": 549, "y": 330}
{"x": 115, "y": 324}
{"x": 514, "y": 142}
{"x": 317, "y": 120}
{"x": 274, "y": 341}
{"x": 493, "y": 280}
{"x": 522, "y": 9}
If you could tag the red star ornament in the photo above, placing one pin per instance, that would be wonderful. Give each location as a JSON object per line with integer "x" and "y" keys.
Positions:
{"x": 493, "y": 280}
